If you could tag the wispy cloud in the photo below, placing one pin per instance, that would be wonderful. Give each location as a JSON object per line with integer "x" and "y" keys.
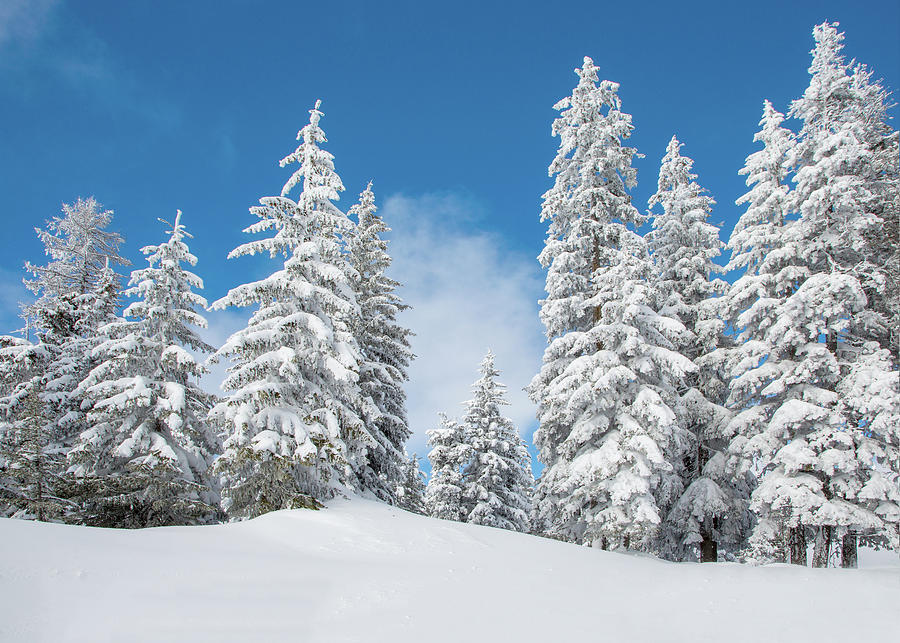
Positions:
{"x": 43, "y": 45}
{"x": 23, "y": 21}
{"x": 469, "y": 292}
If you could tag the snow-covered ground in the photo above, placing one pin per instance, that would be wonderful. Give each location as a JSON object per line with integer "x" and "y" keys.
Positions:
{"x": 361, "y": 571}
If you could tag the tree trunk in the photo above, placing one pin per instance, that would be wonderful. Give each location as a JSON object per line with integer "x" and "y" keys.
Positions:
{"x": 797, "y": 545}
{"x": 848, "y": 551}
{"x": 709, "y": 550}
{"x": 823, "y": 546}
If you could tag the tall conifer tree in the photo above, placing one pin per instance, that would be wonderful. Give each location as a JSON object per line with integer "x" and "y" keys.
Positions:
{"x": 607, "y": 386}
{"x": 497, "y": 480}
{"x": 684, "y": 245}
{"x": 143, "y": 459}
{"x": 294, "y": 414}
{"x": 385, "y": 352}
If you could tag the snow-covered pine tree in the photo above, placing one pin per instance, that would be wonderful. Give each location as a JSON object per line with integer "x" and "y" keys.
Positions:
{"x": 384, "y": 346}
{"x": 607, "y": 386}
{"x": 77, "y": 291}
{"x": 748, "y": 306}
{"x": 29, "y": 465}
{"x": 843, "y": 190}
{"x": 450, "y": 451}
{"x": 293, "y": 411}
{"x": 497, "y": 481}
{"x": 684, "y": 245}
{"x": 411, "y": 495}
{"x": 143, "y": 460}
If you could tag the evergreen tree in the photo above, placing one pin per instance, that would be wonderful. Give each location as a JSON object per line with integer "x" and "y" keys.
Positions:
{"x": 450, "y": 451}
{"x": 143, "y": 460}
{"x": 29, "y": 465}
{"x": 843, "y": 190}
{"x": 384, "y": 347}
{"x": 77, "y": 292}
{"x": 411, "y": 495}
{"x": 607, "y": 386}
{"x": 800, "y": 313}
{"x": 294, "y": 412}
{"x": 684, "y": 245}
{"x": 497, "y": 480}
{"x": 759, "y": 247}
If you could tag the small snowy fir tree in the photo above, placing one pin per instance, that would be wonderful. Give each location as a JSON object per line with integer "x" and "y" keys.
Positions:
{"x": 450, "y": 451}
{"x": 143, "y": 460}
{"x": 607, "y": 386}
{"x": 77, "y": 292}
{"x": 497, "y": 480}
{"x": 411, "y": 494}
{"x": 384, "y": 346}
{"x": 684, "y": 244}
{"x": 293, "y": 413}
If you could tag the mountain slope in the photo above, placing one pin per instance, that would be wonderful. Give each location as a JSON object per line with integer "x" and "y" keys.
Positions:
{"x": 363, "y": 571}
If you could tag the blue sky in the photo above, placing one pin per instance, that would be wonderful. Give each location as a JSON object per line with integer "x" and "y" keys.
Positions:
{"x": 153, "y": 106}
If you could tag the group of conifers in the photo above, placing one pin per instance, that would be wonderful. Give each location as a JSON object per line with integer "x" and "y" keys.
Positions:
{"x": 678, "y": 414}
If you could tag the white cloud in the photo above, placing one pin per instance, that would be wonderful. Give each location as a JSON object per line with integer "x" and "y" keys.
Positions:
{"x": 469, "y": 292}
{"x": 43, "y": 45}
{"x": 23, "y": 21}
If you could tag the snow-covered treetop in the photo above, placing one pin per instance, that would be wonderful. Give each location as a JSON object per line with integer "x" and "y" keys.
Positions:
{"x": 828, "y": 91}
{"x": 321, "y": 183}
{"x": 79, "y": 248}
{"x": 314, "y": 211}
{"x": 683, "y": 242}
{"x": 488, "y": 392}
{"x": 758, "y": 229}
{"x": 591, "y": 159}
{"x": 167, "y": 303}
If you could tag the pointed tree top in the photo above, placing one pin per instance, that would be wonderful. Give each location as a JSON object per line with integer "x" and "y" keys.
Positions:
{"x": 314, "y": 116}
{"x": 588, "y": 71}
{"x": 178, "y": 231}
{"x": 487, "y": 365}
{"x": 829, "y": 43}
{"x": 674, "y": 146}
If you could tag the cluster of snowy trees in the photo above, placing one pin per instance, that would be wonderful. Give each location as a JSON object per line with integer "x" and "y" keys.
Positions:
{"x": 480, "y": 467}
{"x": 678, "y": 413}
{"x": 682, "y": 415}
{"x": 102, "y": 419}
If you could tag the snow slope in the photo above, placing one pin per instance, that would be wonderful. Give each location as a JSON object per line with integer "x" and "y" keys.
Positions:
{"x": 362, "y": 571}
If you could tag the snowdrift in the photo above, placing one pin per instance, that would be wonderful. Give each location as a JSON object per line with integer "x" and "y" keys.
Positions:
{"x": 362, "y": 571}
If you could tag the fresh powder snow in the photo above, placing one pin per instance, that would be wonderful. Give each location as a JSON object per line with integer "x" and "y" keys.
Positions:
{"x": 364, "y": 571}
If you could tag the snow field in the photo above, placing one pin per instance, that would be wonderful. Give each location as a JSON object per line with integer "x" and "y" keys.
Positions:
{"x": 364, "y": 571}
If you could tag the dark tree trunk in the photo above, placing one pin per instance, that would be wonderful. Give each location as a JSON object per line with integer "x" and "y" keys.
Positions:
{"x": 709, "y": 550}
{"x": 798, "y": 545}
{"x": 823, "y": 546}
{"x": 848, "y": 551}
